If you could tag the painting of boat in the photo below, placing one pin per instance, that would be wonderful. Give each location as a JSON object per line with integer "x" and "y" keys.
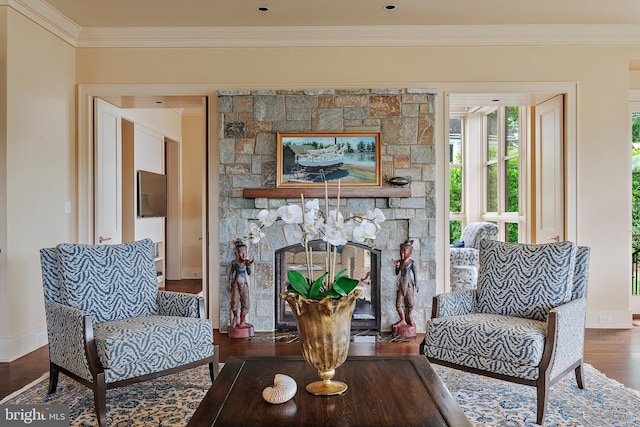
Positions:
{"x": 311, "y": 159}
{"x": 328, "y": 159}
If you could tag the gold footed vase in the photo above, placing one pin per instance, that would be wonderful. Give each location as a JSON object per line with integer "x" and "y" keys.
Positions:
{"x": 325, "y": 332}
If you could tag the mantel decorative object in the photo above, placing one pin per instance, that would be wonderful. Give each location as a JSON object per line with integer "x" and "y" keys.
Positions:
{"x": 322, "y": 305}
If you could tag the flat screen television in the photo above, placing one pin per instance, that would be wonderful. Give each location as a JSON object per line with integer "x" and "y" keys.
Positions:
{"x": 152, "y": 194}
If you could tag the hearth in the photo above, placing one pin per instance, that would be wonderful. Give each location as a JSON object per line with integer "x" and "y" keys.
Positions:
{"x": 360, "y": 262}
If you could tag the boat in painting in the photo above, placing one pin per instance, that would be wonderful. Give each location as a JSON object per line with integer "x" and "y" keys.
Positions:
{"x": 322, "y": 158}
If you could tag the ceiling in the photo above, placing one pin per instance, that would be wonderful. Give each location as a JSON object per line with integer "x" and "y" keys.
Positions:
{"x": 121, "y": 14}
{"x": 244, "y": 13}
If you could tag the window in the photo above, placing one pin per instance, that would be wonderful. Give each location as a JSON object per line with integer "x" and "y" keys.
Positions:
{"x": 635, "y": 200}
{"x": 485, "y": 170}
{"x": 502, "y": 170}
{"x": 455, "y": 179}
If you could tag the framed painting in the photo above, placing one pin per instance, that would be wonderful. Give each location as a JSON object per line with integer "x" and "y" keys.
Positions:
{"x": 310, "y": 159}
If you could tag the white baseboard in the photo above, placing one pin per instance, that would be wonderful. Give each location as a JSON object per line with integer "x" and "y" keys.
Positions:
{"x": 609, "y": 319}
{"x": 13, "y": 348}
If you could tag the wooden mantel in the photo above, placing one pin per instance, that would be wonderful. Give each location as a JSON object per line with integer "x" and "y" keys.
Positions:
{"x": 312, "y": 192}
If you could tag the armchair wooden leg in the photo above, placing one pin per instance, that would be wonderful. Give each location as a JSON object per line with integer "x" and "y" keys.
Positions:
{"x": 543, "y": 393}
{"x": 579, "y": 376}
{"x": 53, "y": 378}
{"x": 100, "y": 399}
{"x": 212, "y": 371}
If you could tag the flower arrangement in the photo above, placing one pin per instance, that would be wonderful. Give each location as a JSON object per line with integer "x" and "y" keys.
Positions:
{"x": 329, "y": 225}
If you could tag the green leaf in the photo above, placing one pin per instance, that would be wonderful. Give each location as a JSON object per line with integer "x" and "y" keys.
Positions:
{"x": 299, "y": 283}
{"x": 339, "y": 274}
{"x": 344, "y": 285}
{"x": 317, "y": 287}
{"x": 329, "y": 293}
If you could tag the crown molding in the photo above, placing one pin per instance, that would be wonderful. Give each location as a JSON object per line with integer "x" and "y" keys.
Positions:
{"x": 376, "y": 36}
{"x": 383, "y": 36}
{"x": 47, "y": 17}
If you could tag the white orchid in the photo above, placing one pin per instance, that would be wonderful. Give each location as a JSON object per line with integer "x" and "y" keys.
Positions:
{"x": 330, "y": 225}
{"x": 376, "y": 216}
{"x": 267, "y": 217}
{"x": 290, "y": 214}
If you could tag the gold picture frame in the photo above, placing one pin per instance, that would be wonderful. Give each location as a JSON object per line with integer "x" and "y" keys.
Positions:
{"x": 308, "y": 159}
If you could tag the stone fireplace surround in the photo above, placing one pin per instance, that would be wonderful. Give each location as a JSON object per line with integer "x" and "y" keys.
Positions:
{"x": 249, "y": 122}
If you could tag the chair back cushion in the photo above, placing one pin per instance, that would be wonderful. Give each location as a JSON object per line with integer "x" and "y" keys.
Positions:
{"x": 581, "y": 273}
{"x": 109, "y": 281}
{"x": 51, "y": 279}
{"x": 524, "y": 280}
{"x": 475, "y": 232}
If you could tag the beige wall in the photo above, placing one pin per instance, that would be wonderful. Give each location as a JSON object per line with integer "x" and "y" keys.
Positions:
{"x": 40, "y": 173}
{"x": 600, "y": 72}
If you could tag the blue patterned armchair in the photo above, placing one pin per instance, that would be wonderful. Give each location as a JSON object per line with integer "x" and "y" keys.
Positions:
{"x": 463, "y": 261}
{"x": 525, "y": 321}
{"x": 109, "y": 326}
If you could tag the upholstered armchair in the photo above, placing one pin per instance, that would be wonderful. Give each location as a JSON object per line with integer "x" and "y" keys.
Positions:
{"x": 463, "y": 261}
{"x": 109, "y": 326}
{"x": 525, "y": 321}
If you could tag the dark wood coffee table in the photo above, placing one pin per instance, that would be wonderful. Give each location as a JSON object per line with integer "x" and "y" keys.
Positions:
{"x": 383, "y": 391}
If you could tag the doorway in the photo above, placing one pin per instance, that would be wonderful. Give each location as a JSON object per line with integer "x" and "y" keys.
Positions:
{"x": 139, "y": 97}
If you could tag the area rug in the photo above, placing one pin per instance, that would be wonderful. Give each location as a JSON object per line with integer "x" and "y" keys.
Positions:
{"x": 171, "y": 401}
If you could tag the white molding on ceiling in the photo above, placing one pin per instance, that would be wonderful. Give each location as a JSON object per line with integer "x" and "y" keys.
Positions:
{"x": 382, "y": 36}
{"x": 47, "y": 17}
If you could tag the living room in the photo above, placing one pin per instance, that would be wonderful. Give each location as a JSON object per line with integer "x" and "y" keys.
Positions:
{"x": 51, "y": 70}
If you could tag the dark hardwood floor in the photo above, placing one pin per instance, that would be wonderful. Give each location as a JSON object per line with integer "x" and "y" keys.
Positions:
{"x": 615, "y": 352}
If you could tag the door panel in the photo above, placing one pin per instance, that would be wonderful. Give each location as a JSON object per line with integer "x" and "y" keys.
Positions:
{"x": 108, "y": 173}
{"x": 549, "y": 170}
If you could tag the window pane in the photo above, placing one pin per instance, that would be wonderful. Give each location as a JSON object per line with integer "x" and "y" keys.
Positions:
{"x": 455, "y": 231}
{"x": 512, "y": 232}
{"x": 513, "y": 177}
{"x": 455, "y": 141}
{"x": 492, "y": 188}
{"x": 492, "y": 136}
{"x": 512, "y": 127}
{"x": 455, "y": 189}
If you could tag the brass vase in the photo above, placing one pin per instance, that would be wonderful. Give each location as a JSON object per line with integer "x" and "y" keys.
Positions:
{"x": 324, "y": 328}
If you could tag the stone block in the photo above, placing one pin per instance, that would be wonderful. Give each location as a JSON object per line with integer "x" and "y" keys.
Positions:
{"x": 227, "y": 151}
{"x": 384, "y": 106}
{"x": 328, "y": 119}
{"x": 298, "y": 114}
{"x": 400, "y": 130}
{"x": 301, "y": 102}
{"x": 266, "y": 143}
{"x": 413, "y": 203}
{"x": 422, "y": 154}
{"x": 224, "y": 104}
{"x": 254, "y": 128}
{"x": 410, "y": 110}
{"x": 326, "y": 101}
{"x": 269, "y": 108}
{"x": 234, "y": 129}
{"x": 426, "y": 129}
{"x": 400, "y": 162}
{"x": 351, "y": 100}
{"x": 246, "y": 181}
{"x": 245, "y": 146}
{"x": 291, "y": 126}
{"x": 238, "y": 169}
{"x": 242, "y": 104}
{"x": 355, "y": 113}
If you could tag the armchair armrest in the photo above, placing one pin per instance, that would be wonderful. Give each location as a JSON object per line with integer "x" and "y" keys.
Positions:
{"x": 454, "y": 303}
{"x": 67, "y": 338}
{"x": 464, "y": 256}
{"x": 569, "y": 335}
{"x": 180, "y": 304}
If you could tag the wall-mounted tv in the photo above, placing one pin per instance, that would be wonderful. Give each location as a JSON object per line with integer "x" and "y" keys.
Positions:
{"x": 152, "y": 194}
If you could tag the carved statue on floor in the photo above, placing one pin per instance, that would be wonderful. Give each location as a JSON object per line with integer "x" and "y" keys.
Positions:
{"x": 239, "y": 288}
{"x": 407, "y": 285}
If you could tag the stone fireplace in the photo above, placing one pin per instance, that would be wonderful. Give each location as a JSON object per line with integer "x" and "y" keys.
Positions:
{"x": 249, "y": 122}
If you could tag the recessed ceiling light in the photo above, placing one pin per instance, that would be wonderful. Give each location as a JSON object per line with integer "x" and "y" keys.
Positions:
{"x": 495, "y": 100}
{"x": 390, "y": 7}
{"x": 263, "y": 9}
{"x": 158, "y": 102}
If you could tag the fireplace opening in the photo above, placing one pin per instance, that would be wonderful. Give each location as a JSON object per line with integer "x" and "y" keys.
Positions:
{"x": 361, "y": 262}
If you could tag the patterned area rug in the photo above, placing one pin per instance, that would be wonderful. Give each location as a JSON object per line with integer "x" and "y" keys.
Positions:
{"x": 172, "y": 400}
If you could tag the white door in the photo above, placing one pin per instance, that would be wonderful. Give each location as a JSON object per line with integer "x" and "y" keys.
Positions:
{"x": 549, "y": 170}
{"x": 108, "y": 173}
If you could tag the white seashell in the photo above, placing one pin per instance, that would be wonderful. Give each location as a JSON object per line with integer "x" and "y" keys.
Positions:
{"x": 284, "y": 388}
